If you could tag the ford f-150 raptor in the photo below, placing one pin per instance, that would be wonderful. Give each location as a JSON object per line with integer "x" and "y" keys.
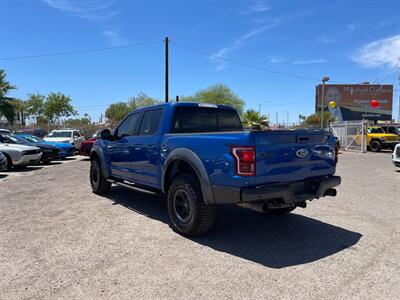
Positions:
{"x": 199, "y": 156}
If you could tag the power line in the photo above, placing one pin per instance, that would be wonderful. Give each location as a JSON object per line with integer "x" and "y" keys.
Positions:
{"x": 244, "y": 64}
{"x": 78, "y": 51}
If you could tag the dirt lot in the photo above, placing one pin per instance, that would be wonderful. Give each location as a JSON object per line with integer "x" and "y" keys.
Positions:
{"x": 58, "y": 240}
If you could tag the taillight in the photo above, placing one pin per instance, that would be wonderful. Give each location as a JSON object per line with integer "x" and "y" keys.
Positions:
{"x": 244, "y": 160}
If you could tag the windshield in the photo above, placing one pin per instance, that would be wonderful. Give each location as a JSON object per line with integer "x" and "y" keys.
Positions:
{"x": 12, "y": 139}
{"x": 375, "y": 130}
{"x": 60, "y": 134}
{"x": 32, "y": 138}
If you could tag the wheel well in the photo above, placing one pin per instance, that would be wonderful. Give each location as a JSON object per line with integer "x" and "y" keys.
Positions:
{"x": 175, "y": 168}
{"x": 94, "y": 156}
{"x": 375, "y": 140}
{"x": 8, "y": 157}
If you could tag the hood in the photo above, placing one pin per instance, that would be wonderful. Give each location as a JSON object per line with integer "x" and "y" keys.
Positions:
{"x": 57, "y": 139}
{"x": 18, "y": 146}
{"x": 46, "y": 146}
{"x": 59, "y": 145}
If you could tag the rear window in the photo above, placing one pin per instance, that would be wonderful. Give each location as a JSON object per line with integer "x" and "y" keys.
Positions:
{"x": 205, "y": 119}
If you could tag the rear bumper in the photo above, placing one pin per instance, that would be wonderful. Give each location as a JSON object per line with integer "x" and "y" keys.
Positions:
{"x": 277, "y": 195}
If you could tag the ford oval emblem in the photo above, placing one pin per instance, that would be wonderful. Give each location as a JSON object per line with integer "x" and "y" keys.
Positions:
{"x": 302, "y": 153}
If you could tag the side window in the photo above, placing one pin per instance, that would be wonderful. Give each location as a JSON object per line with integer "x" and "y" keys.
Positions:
{"x": 76, "y": 134}
{"x": 391, "y": 130}
{"x": 128, "y": 126}
{"x": 150, "y": 122}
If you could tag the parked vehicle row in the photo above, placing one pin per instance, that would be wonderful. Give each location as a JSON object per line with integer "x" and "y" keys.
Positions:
{"x": 21, "y": 149}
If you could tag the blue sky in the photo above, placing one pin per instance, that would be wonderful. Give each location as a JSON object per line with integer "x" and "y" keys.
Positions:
{"x": 350, "y": 41}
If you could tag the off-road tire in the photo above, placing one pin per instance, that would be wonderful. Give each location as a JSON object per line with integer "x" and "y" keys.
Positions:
{"x": 281, "y": 211}
{"x": 200, "y": 216}
{"x": 97, "y": 180}
{"x": 375, "y": 146}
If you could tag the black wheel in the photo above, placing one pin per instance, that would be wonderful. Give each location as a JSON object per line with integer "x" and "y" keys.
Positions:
{"x": 9, "y": 163}
{"x": 375, "y": 146}
{"x": 188, "y": 212}
{"x": 97, "y": 180}
{"x": 281, "y": 211}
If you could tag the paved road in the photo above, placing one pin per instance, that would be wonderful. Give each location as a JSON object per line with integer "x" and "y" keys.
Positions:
{"x": 58, "y": 240}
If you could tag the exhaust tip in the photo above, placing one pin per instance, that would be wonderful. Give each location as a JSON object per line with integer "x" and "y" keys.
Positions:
{"x": 330, "y": 192}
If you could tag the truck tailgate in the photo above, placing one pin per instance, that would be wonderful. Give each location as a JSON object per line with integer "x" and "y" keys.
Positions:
{"x": 287, "y": 156}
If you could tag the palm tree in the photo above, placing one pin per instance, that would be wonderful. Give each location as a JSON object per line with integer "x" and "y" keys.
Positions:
{"x": 7, "y": 108}
{"x": 252, "y": 118}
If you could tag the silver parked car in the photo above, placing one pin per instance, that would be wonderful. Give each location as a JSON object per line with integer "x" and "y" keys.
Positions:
{"x": 20, "y": 155}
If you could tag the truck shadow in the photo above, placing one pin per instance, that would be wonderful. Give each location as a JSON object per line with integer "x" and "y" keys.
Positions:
{"x": 272, "y": 241}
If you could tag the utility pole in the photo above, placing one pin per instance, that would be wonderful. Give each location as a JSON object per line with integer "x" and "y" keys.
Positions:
{"x": 277, "y": 118}
{"x": 166, "y": 69}
{"x": 325, "y": 79}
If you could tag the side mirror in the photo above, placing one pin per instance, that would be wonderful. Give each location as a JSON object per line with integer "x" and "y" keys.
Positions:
{"x": 105, "y": 134}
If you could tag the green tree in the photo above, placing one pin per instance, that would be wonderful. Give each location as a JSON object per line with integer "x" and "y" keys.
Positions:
{"x": 315, "y": 119}
{"x": 57, "y": 106}
{"x": 7, "y": 106}
{"x": 117, "y": 111}
{"x": 217, "y": 94}
{"x": 252, "y": 117}
{"x": 142, "y": 100}
{"x": 34, "y": 106}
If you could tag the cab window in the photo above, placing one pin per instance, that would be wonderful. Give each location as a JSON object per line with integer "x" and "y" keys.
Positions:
{"x": 150, "y": 122}
{"x": 129, "y": 126}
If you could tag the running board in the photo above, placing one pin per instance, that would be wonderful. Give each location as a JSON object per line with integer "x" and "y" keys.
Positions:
{"x": 132, "y": 187}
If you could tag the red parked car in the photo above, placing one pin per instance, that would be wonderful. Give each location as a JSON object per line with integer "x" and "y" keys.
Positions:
{"x": 87, "y": 145}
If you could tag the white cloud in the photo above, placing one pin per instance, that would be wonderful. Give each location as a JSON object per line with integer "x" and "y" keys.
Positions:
{"x": 85, "y": 9}
{"x": 353, "y": 26}
{"x": 323, "y": 39}
{"x": 310, "y": 61}
{"x": 242, "y": 41}
{"x": 114, "y": 38}
{"x": 379, "y": 52}
{"x": 257, "y": 7}
{"x": 276, "y": 60}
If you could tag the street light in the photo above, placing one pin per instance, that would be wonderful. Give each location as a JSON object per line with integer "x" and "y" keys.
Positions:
{"x": 325, "y": 79}
{"x": 287, "y": 116}
{"x": 259, "y": 106}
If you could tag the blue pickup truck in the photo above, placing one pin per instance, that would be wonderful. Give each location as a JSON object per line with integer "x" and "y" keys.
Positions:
{"x": 199, "y": 156}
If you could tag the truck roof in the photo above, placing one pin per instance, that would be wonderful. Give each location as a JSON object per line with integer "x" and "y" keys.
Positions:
{"x": 194, "y": 104}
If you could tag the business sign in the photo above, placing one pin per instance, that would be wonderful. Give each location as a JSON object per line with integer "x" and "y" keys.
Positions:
{"x": 356, "y": 101}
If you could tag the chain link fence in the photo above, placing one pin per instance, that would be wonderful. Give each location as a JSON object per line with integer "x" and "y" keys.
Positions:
{"x": 352, "y": 135}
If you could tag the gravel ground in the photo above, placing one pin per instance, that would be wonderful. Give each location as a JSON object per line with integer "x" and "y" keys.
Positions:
{"x": 59, "y": 240}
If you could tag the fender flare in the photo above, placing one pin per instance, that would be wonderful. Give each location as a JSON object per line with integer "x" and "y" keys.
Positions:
{"x": 97, "y": 150}
{"x": 195, "y": 162}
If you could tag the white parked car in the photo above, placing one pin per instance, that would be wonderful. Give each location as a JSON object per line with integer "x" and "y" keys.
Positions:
{"x": 20, "y": 155}
{"x": 396, "y": 156}
{"x": 71, "y": 136}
